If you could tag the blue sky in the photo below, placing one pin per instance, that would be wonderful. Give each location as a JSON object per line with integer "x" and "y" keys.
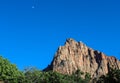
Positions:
{"x": 30, "y": 36}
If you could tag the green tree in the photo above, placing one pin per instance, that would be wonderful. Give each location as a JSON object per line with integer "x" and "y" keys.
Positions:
{"x": 87, "y": 78}
{"x": 77, "y": 77}
{"x": 9, "y": 72}
{"x": 113, "y": 76}
{"x": 33, "y": 75}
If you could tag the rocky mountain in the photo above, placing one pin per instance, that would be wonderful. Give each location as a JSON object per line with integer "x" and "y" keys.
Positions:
{"x": 76, "y": 55}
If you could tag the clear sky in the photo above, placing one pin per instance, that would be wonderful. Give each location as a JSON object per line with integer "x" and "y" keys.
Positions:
{"x": 32, "y": 30}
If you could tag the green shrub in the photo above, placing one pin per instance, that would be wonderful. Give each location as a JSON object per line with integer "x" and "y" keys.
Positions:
{"x": 9, "y": 72}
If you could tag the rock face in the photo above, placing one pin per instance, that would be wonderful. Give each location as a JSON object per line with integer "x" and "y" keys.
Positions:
{"x": 76, "y": 55}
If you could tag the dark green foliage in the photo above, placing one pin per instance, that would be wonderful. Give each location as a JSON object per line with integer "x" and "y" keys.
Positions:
{"x": 87, "y": 78}
{"x": 113, "y": 76}
{"x": 10, "y": 74}
{"x": 33, "y": 75}
{"x": 77, "y": 76}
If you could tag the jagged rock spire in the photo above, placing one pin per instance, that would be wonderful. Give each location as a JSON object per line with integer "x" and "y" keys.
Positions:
{"x": 76, "y": 55}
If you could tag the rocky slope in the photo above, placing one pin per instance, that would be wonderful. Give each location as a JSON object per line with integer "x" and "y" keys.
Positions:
{"x": 76, "y": 55}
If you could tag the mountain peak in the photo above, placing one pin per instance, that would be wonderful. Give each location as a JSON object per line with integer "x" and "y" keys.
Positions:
{"x": 69, "y": 40}
{"x": 76, "y": 55}
{"x": 72, "y": 41}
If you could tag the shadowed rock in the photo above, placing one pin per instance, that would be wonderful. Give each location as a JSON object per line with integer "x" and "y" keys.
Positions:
{"x": 76, "y": 55}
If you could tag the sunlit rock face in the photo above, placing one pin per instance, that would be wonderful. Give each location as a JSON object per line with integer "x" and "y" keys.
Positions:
{"x": 76, "y": 55}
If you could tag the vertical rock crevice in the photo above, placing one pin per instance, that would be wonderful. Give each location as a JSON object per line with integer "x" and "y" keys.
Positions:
{"x": 76, "y": 55}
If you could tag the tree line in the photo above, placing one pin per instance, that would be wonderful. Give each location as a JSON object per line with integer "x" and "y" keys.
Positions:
{"x": 9, "y": 73}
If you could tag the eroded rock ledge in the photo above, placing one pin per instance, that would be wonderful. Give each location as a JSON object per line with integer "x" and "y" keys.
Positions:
{"x": 76, "y": 55}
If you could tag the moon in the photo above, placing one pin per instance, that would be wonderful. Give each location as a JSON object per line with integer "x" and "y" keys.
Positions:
{"x": 33, "y": 7}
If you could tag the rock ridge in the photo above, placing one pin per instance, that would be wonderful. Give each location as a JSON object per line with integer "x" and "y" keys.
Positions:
{"x": 76, "y": 55}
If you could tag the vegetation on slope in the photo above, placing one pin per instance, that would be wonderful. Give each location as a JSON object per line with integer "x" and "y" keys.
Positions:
{"x": 35, "y": 76}
{"x": 113, "y": 76}
{"x": 10, "y": 74}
